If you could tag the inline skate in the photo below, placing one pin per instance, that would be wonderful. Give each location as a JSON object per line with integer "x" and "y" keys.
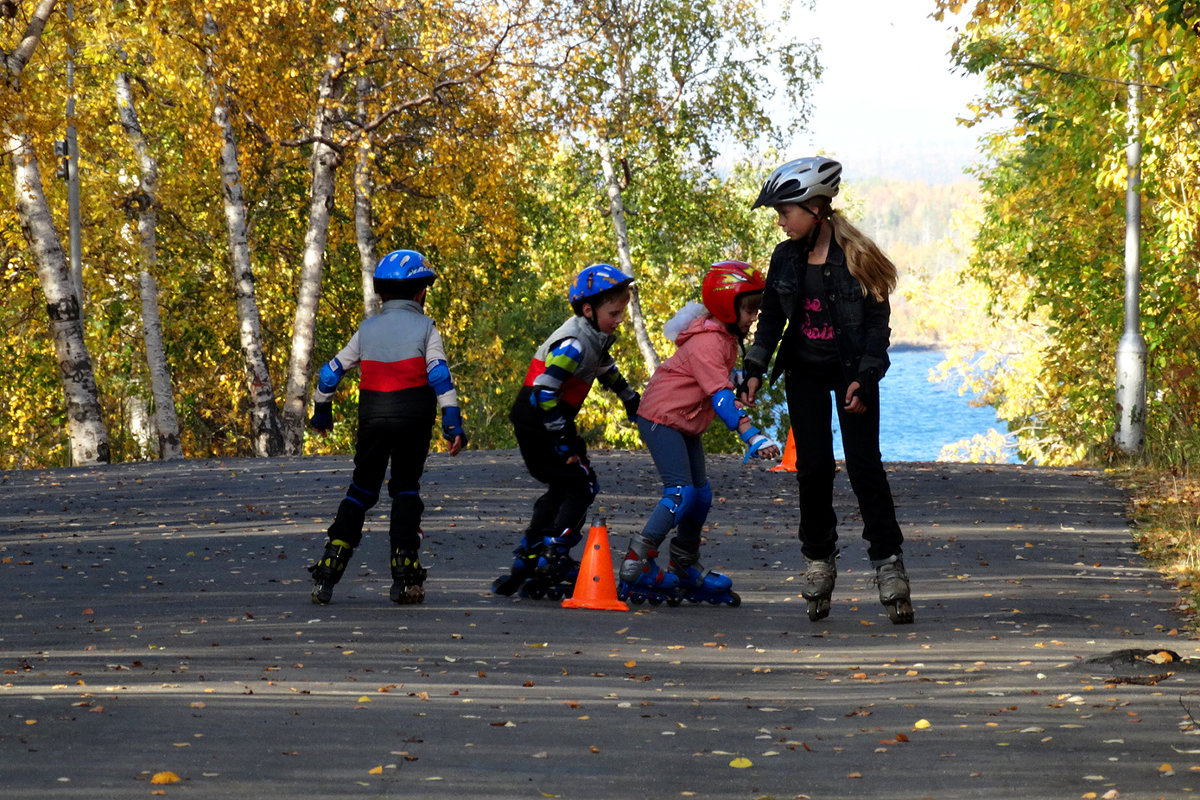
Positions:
{"x": 642, "y": 580}
{"x": 894, "y": 592}
{"x": 408, "y": 578}
{"x": 525, "y": 559}
{"x": 327, "y": 570}
{"x": 698, "y": 584}
{"x": 555, "y": 572}
{"x": 819, "y": 577}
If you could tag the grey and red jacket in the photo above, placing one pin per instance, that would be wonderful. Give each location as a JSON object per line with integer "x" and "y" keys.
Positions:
{"x": 562, "y": 372}
{"x": 402, "y": 362}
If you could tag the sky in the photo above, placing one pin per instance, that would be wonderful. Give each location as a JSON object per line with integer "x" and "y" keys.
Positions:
{"x": 888, "y": 100}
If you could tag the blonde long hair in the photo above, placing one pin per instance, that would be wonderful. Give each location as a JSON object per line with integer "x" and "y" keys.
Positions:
{"x": 869, "y": 265}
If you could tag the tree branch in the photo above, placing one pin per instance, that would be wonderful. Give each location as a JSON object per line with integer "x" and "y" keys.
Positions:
{"x": 16, "y": 61}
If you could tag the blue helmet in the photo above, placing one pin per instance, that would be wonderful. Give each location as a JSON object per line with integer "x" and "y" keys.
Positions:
{"x": 596, "y": 280}
{"x": 404, "y": 265}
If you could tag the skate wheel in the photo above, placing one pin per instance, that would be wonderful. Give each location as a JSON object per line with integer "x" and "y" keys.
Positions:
{"x": 900, "y": 613}
{"x": 674, "y": 602}
{"x": 656, "y": 601}
{"x": 735, "y": 600}
{"x": 637, "y": 599}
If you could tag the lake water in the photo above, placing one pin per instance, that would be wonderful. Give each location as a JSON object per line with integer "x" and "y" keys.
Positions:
{"x": 918, "y": 418}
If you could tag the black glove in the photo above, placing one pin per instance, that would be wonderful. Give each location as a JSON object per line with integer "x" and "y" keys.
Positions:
{"x": 567, "y": 445}
{"x": 322, "y": 418}
{"x": 631, "y": 406}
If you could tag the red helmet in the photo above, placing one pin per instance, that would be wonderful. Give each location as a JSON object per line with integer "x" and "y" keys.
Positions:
{"x": 724, "y": 283}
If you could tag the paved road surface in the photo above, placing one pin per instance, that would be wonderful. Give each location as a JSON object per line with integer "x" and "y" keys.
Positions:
{"x": 155, "y": 618}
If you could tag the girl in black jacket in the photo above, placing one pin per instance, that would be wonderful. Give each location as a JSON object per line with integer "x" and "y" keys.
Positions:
{"x": 826, "y": 309}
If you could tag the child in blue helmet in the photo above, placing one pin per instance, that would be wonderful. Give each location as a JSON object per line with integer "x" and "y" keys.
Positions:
{"x": 543, "y": 415}
{"x": 404, "y": 379}
{"x": 686, "y": 393}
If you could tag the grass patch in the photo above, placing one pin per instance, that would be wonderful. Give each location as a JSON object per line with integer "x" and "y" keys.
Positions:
{"x": 1166, "y": 513}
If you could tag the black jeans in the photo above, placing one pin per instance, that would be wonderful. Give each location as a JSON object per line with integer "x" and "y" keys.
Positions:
{"x": 405, "y": 443}
{"x": 570, "y": 488}
{"x": 808, "y": 398}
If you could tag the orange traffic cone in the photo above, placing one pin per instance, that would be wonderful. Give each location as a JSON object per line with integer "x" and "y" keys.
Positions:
{"x": 595, "y": 587}
{"x": 788, "y": 464}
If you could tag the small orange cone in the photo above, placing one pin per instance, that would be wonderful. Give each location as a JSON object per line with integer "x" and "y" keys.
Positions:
{"x": 788, "y": 464}
{"x": 595, "y": 587}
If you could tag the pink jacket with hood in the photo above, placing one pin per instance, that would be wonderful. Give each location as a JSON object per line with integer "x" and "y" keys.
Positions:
{"x": 679, "y": 394}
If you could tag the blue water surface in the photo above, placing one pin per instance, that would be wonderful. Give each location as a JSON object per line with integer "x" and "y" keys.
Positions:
{"x": 918, "y": 418}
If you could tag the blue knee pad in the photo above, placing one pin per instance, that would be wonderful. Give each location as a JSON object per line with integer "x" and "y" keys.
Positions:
{"x": 687, "y": 502}
{"x": 701, "y": 502}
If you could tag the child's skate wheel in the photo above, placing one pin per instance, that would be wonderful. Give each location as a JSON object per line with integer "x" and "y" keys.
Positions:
{"x": 656, "y": 601}
{"x": 818, "y": 609}
{"x": 735, "y": 600}
{"x": 674, "y": 602}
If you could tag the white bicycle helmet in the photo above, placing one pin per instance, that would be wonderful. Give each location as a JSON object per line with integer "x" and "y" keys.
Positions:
{"x": 800, "y": 180}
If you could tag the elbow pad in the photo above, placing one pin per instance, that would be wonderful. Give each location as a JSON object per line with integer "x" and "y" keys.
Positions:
{"x": 439, "y": 377}
{"x": 331, "y": 376}
{"x": 727, "y": 409}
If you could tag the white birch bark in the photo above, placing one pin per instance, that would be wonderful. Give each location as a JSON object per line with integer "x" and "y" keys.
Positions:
{"x": 364, "y": 222}
{"x": 86, "y": 434}
{"x": 616, "y": 208}
{"x": 165, "y": 422}
{"x": 85, "y": 423}
{"x": 266, "y": 429}
{"x": 323, "y": 167}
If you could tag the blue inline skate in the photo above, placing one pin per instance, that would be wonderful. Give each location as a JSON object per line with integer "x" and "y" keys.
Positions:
{"x": 555, "y": 573}
{"x": 525, "y": 559}
{"x": 642, "y": 580}
{"x": 698, "y": 584}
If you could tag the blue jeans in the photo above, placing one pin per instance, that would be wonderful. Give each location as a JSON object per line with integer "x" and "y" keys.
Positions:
{"x": 808, "y": 398}
{"x": 680, "y": 462}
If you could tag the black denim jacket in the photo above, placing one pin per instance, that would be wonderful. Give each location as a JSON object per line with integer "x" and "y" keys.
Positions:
{"x": 860, "y": 322}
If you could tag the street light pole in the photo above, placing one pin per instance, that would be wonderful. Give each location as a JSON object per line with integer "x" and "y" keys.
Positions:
{"x": 1130, "y": 435}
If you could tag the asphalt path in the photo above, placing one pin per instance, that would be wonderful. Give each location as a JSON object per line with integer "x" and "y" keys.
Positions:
{"x": 155, "y": 624}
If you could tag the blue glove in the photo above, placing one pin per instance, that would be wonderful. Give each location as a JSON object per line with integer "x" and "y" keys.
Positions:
{"x": 756, "y": 441}
{"x": 631, "y": 406}
{"x": 322, "y": 418}
{"x": 452, "y": 424}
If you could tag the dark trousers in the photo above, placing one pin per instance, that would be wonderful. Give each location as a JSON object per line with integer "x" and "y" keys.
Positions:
{"x": 808, "y": 398}
{"x": 403, "y": 441}
{"x": 570, "y": 488}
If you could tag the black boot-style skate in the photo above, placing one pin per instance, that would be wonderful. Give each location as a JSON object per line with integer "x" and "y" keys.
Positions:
{"x": 328, "y": 569}
{"x": 408, "y": 578}
{"x": 894, "y": 592}
{"x": 820, "y": 574}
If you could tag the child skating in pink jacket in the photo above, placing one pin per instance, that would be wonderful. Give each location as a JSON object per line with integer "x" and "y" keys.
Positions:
{"x": 686, "y": 393}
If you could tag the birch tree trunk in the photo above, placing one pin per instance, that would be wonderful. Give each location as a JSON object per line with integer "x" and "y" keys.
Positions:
{"x": 364, "y": 222}
{"x": 266, "y": 429}
{"x": 85, "y": 423}
{"x": 166, "y": 424}
{"x": 323, "y": 167}
{"x": 616, "y": 208}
